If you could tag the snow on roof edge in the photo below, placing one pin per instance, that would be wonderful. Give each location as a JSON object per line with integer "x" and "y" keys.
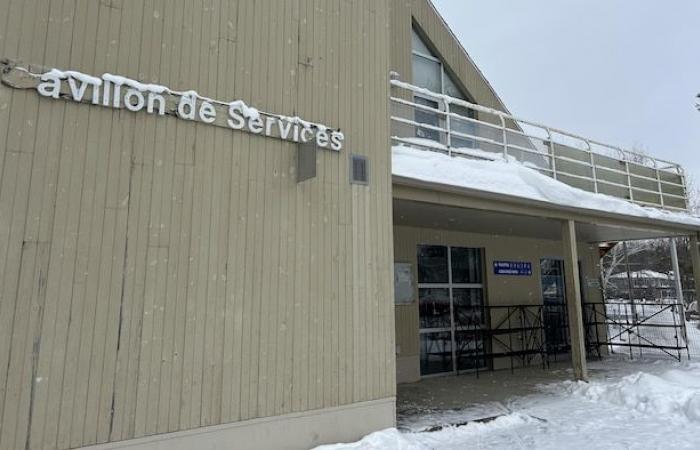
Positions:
{"x": 514, "y": 179}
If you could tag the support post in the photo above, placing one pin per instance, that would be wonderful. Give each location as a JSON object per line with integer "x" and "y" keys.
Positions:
{"x": 633, "y": 305}
{"x": 680, "y": 309}
{"x": 573, "y": 301}
{"x": 695, "y": 256}
{"x": 676, "y": 273}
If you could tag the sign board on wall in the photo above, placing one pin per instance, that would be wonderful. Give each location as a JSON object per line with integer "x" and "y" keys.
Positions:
{"x": 403, "y": 284}
{"x": 516, "y": 268}
{"x": 113, "y": 91}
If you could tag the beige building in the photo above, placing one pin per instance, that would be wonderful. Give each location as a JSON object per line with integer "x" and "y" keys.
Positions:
{"x": 257, "y": 264}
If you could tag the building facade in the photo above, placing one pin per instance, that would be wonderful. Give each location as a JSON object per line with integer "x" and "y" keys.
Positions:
{"x": 217, "y": 268}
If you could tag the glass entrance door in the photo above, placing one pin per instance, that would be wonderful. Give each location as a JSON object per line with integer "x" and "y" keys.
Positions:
{"x": 451, "y": 308}
{"x": 554, "y": 302}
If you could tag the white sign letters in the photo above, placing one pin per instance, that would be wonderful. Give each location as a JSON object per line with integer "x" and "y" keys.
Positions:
{"x": 119, "y": 92}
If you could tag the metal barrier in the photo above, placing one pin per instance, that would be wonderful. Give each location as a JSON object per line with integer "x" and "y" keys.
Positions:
{"x": 539, "y": 334}
{"x": 639, "y": 329}
{"x": 514, "y": 332}
{"x": 436, "y": 122}
{"x": 522, "y": 334}
{"x": 517, "y": 332}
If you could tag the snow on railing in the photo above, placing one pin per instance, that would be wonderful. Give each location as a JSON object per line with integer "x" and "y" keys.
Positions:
{"x": 437, "y": 122}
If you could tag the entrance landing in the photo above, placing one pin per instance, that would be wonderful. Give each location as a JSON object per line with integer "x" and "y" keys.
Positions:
{"x": 455, "y": 400}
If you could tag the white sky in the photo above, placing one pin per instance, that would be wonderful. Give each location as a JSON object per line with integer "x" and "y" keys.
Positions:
{"x": 623, "y": 72}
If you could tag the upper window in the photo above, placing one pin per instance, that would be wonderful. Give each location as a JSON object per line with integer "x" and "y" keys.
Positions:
{"x": 429, "y": 71}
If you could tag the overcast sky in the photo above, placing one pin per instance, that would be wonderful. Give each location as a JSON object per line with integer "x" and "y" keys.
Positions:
{"x": 624, "y": 72}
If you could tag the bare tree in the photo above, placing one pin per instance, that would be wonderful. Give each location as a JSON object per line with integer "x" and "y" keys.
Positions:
{"x": 694, "y": 200}
{"x": 693, "y": 193}
{"x": 614, "y": 261}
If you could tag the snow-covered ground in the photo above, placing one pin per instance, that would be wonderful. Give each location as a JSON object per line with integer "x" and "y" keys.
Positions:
{"x": 638, "y": 404}
{"x": 656, "y": 327}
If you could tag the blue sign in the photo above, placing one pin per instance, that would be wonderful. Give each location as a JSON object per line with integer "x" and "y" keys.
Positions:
{"x": 523, "y": 269}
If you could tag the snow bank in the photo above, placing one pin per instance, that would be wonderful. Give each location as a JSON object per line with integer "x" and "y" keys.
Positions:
{"x": 512, "y": 178}
{"x": 393, "y": 439}
{"x": 674, "y": 394}
{"x": 626, "y": 405}
{"x": 389, "y": 438}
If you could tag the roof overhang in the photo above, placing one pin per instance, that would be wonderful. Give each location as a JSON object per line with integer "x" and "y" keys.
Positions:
{"x": 454, "y": 207}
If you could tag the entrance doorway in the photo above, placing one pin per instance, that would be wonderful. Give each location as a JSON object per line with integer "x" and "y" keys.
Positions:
{"x": 556, "y": 322}
{"x": 451, "y": 309}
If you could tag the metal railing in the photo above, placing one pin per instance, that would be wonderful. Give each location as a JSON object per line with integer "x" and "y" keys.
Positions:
{"x": 639, "y": 329}
{"x": 519, "y": 335}
{"x": 436, "y": 122}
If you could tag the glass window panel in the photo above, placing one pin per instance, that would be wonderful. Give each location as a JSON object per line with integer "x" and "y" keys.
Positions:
{"x": 427, "y": 73}
{"x": 435, "y": 353}
{"x": 434, "y": 305}
{"x": 419, "y": 45}
{"x": 451, "y": 317}
{"x": 554, "y": 311}
{"x": 452, "y": 89}
{"x": 458, "y": 142}
{"x": 462, "y": 111}
{"x": 553, "y": 286}
{"x": 428, "y": 118}
{"x": 466, "y": 265}
{"x": 432, "y": 264}
{"x": 487, "y": 132}
{"x": 556, "y": 329}
{"x": 468, "y": 307}
{"x": 462, "y": 126}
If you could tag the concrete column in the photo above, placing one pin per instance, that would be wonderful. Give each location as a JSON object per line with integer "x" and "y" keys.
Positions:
{"x": 695, "y": 255}
{"x": 573, "y": 301}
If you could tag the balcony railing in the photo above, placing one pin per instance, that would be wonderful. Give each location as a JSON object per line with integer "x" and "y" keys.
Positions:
{"x": 436, "y": 122}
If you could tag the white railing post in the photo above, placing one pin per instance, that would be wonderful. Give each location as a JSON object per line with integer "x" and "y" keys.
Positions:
{"x": 448, "y": 126}
{"x": 658, "y": 183}
{"x": 629, "y": 177}
{"x": 504, "y": 130}
{"x": 552, "y": 154}
{"x": 681, "y": 172}
{"x": 596, "y": 176}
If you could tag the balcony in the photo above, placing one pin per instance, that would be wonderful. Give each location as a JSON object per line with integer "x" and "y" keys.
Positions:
{"x": 436, "y": 122}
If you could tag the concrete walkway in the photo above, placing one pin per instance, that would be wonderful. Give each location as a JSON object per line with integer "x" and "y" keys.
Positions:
{"x": 433, "y": 401}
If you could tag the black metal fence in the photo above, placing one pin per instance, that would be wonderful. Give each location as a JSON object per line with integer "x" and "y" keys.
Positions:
{"x": 640, "y": 329}
{"x": 515, "y": 336}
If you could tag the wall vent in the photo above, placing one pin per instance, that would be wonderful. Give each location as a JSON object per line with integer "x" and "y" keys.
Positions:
{"x": 359, "y": 169}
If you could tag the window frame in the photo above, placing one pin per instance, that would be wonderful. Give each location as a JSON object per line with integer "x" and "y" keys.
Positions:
{"x": 450, "y": 286}
{"x": 443, "y": 76}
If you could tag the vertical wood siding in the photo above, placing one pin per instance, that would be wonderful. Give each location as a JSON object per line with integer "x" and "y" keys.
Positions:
{"x": 160, "y": 275}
